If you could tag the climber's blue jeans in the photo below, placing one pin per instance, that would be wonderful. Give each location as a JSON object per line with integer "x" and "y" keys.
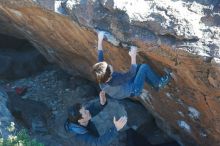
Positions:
{"x": 144, "y": 73}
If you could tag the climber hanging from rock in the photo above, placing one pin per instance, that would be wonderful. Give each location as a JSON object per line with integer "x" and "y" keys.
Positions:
{"x": 122, "y": 85}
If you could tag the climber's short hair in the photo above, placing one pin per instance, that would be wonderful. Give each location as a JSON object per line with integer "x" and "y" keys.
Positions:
{"x": 73, "y": 113}
{"x": 102, "y": 71}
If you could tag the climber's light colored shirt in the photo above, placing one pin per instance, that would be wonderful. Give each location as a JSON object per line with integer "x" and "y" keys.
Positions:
{"x": 121, "y": 84}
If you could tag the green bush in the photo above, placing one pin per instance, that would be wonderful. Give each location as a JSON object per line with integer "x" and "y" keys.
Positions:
{"x": 21, "y": 138}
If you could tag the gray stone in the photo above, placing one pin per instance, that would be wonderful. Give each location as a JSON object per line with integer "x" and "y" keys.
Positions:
{"x": 86, "y": 91}
{"x": 49, "y": 4}
{"x": 5, "y": 116}
{"x": 5, "y": 63}
{"x": 109, "y": 4}
{"x": 34, "y": 115}
{"x": 161, "y": 20}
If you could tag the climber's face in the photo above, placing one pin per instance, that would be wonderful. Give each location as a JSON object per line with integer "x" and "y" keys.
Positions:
{"x": 86, "y": 116}
{"x": 111, "y": 69}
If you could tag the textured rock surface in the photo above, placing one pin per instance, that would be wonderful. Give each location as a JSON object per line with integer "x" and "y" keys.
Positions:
{"x": 5, "y": 115}
{"x": 158, "y": 22}
{"x": 188, "y": 109}
{"x": 18, "y": 58}
{"x": 32, "y": 114}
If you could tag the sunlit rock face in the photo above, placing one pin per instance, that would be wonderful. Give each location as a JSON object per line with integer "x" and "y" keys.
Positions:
{"x": 180, "y": 35}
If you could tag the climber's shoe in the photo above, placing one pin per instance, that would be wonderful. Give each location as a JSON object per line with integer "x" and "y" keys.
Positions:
{"x": 164, "y": 81}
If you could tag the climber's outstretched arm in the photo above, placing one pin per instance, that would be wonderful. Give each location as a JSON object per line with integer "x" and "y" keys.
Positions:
{"x": 100, "y": 51}
{"x": 133, "y": 53}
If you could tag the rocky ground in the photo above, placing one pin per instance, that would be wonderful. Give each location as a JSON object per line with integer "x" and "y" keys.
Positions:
{"x": 55, "y": 88}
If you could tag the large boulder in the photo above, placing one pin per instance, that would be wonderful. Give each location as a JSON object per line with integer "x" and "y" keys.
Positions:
{"x": 6, "y": 116}
{"x": 33, "y": 115}
{"x": 187, "y": 109}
